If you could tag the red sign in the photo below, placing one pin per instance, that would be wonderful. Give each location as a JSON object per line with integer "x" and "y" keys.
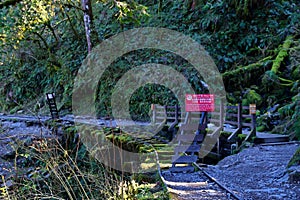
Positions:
{"x": 199, "y": 102}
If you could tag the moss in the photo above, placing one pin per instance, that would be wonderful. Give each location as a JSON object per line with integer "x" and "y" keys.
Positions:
{"x": 209, "y": 131}
{"x": 296, "y": 73}
{"x": 245, "y": 102}
{"x": 225, "y": 133}
{"x": 287, "y": 110}
{"x": 261, "y": 128}
{"x": 295, "y": 160}
{"x": 283, "y": 53}
{"x": 246, "y": 69}
{"x": 232, "y": 98}
{"x": 252, "y": 97}
{"x": 242, "y": 137}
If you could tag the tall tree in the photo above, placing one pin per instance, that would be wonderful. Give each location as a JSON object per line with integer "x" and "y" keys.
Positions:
{"x": 88, "y": 17}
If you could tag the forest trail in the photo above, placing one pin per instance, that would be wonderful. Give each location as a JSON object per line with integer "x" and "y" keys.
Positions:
{"x": 258, "y": 172}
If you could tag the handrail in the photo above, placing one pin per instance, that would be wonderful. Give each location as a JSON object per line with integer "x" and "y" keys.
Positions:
{"x": 237, "y": 118}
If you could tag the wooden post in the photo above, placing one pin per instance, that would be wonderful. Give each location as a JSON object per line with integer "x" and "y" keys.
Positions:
{"x": 253, "y": 122}
{"x": 176, "y": 113}
{"x": 154, "y": 113}
{"x": 221, "y": 124}
{"x": 240, "y": 126}
{"x": 221, "y": 114}
{"x": 252, "y": 112}
{"x": 166, "y": 114}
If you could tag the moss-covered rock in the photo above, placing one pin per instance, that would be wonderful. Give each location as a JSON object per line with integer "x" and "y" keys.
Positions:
{"x": 261, "y": 128}
{"x": 225, "y": 133}
{"x": 252, "y": 97}
{"x": 282, "y": 54}
{"x": 294, "y": 168}
{"x": 295, "y": 160}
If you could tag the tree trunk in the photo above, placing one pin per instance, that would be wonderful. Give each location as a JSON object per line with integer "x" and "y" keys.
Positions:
{"x": 88, "y": 17}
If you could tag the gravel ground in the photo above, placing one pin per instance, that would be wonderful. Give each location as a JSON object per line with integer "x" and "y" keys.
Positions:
{"x": 255, "y": 173}
{"x": 258, "y": 173}
{"x": 193, "y": 186}
{"x": 12, "y": 135}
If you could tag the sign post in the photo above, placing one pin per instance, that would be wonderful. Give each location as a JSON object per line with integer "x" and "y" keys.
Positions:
{"x": 252, "y": 109}
{"x": 252, "y": 112}
{"x": 199, "y": 102}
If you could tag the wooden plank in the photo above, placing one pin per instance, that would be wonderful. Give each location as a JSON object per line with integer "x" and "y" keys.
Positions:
{"x": 171, "y": 118}
{"x": 246, "y": 116}
{"x": 231, "y": 107}
{"x": 196, "y": 113}
{"x": 231, "y": 114}
{"x": 184, "y": 159}
{"x": 214, "y": 120}
{"x": 160, "y": 112}
{"x": 182, "y": 169}
{"x": 271, "y": 140}
{"x": 158, "y": 106}
{"x": 187, "y": 149}
{"x": 173, "y": 112}
{"x": 190, "y": 138}
{"x": 158, "y": 117}
{"x": 215, "y": 113}
{"x": 234, "y": 134}
{"x": 192, "y": 127}
{"x": 231, "y": 122}
{"x": 247, "y": 124}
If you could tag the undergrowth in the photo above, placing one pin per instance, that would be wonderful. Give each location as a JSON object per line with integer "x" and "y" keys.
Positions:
{"x": 62, "y": 169}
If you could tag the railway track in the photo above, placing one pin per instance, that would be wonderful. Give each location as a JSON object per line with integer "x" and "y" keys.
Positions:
{"x": 195, "y": 185}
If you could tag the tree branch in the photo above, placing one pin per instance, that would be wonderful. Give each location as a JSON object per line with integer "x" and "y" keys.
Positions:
{"x": 9, "y": 3}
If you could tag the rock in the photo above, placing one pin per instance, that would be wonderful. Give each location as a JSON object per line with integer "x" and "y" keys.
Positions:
{"x": 294, "y": 174}
{"x": 8, "y": 184}
{"x": 7, "y": 152}
{"x": 29, "y": 123}
{"x": 28, "y": 142}
{"x": 277, "y": 196}
{"x": 20, "y": 111}
{"x": 16, "y": 125}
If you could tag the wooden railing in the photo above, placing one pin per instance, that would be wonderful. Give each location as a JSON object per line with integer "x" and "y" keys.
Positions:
{"x": 237, "y": 116}
{"x": 241, "y": 120}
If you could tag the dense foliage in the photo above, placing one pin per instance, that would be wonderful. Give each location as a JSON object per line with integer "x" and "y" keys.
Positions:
{"x": 255, "y": 44}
